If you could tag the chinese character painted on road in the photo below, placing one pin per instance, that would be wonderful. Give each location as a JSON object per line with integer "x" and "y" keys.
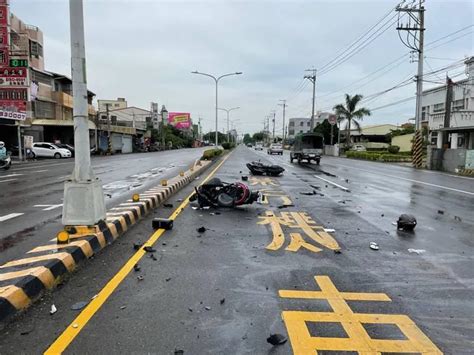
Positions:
{"x": 264, "y": 181}
{"x": 298, "y": 221}
{"x": 357, "y": 338}
{"x": 285, "y": 199}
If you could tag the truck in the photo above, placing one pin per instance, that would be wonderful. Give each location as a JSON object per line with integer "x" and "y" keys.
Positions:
{"x": 307, "y": 147}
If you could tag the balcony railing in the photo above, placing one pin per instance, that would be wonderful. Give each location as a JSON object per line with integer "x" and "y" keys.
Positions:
{"x": 460, "y": 118}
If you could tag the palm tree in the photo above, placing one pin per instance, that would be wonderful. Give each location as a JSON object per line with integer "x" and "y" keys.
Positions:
{"x": 350, "y": 112}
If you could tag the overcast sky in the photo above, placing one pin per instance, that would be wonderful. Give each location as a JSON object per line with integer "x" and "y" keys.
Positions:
{"x": 145, "y": 51}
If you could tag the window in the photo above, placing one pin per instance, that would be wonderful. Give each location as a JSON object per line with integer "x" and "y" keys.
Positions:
{"x": 438, "y": 107}
{"x": 40, "y": 77}
{"x": 116, "y": 105}
{"x": 36, "y": 49}
{"x": 308, "y": 123}
{"x": 424, "y": 111}
{"x": 301, "y": 123}
{"x": 43, "y": 109}
{"x": 292, "y": 123}
{"x": 301, "y": 131}
{"x": 291, "y": 132}
{"x": 458, "y": 105}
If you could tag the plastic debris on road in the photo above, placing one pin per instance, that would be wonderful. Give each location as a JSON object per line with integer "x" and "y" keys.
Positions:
{"x": 374, "y": 246}
{"x": 329, "y": 230}
{"x": 276, "y": 339}
{"x": 406, "y": 222}
{"x": 53, "y": 309}
{"x": 79, "y": 305}
{"x": 416, "y": 251}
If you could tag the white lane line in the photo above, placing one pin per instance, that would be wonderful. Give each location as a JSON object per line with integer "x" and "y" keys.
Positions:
{"x": 412, "y": 180}
{"x": 40, "y": 166}
{"x": 7, "y": 180}
{"x": 10, "y": 175}
{"x": 40, "y": 171}
{"x": 10, "y": 216}
{"x": 332, "y": 183}
{"x": 49, "y": 207}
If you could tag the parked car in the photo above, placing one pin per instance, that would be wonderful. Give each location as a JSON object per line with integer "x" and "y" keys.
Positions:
{"x": 49, "y": 150}
{"x": 275, "y": 148}
{"x": 66, "y": 146}
{"x": 258, "y": 146}
{"x": 249, "y": 145}
{"x": 359, "y": 148}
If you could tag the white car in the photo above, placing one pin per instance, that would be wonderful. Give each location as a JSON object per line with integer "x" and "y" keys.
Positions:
{"x": 259, "y": 146}
{"x": 359, "y": 148}
{"x": 275, "y": 148}
{"x": 49, "y": 150}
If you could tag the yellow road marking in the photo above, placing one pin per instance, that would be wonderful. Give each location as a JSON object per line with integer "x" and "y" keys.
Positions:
{"x": 357, "y": 339}
{"x": 71, "y": 332}
{"x": 298, "y": 242}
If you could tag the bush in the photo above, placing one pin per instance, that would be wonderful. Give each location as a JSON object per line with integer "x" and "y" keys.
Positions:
{"x": 393, "y": 149}
{"x": 208, "y": 154}
{"x": 228, "y": 145}
{"x": 378, "y": 156}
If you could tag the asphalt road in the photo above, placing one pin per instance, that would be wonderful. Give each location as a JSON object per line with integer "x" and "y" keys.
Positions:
{"x": 219, "y": 292}
{"x": 32, "y": 193}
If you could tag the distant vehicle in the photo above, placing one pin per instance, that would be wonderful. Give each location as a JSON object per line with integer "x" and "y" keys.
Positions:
{"x": 49, "y": 150}
{"x": 258, "y": 146}
{"x": 359, "y": 148}
{"x": 275, "y": 148}
{"x": 249, "y": 145}
{"x": 307, "y": 146}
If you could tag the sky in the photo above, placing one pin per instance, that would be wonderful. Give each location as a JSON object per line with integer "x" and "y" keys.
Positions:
{"x": 146, "y": 50}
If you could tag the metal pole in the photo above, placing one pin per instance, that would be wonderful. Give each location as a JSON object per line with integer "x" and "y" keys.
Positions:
{"x": 83, "y": 196}
{"x": 273, "y": 121}
{"x": 217, "y": 132}
{"x": 109, "y": 138}
{"x": 419, "y": 77}
{"x": 228, "y": 132}
{"x": 332, "y": 130}
{"x": 284, "y": 135}
{"x": 312, "y": 106}
{"x": 20, "y": 149}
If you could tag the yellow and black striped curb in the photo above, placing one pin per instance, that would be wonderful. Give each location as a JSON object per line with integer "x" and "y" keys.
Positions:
{"x": 23, "y": 280}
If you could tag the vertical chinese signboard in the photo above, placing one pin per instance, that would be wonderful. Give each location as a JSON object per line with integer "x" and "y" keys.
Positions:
{"x": 13, "y": 74}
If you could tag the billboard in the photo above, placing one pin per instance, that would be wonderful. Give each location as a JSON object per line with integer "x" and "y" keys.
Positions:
{"x": 179, "y": 120}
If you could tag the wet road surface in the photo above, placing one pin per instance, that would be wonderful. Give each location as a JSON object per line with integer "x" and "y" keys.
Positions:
{"x": 226, "y": 290}
{"x": 32, "y": 193}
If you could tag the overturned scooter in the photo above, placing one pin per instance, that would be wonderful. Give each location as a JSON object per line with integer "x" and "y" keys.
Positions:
{"x": 258, "y": 168}
{"x": 216, "y": 193}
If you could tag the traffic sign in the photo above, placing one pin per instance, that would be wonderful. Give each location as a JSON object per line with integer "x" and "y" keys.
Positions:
{"x": 332, "y": 119}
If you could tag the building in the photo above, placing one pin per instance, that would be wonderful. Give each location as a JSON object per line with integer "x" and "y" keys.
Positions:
{"x": 371, "y": 136}
{"x": 460, "y": 130}
{"x": 42, "y": 98}
{"x": 298, "y": 125}
{"x": 112, "y": 104}
{"x": 124, "y": 125}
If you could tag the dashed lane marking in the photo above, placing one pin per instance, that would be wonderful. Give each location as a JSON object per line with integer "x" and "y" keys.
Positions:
{"x": 73, "y": 329}
{"x": 49, "y": 207}
{"x": 332, "y": 183}
{"x": 10, "y": 216}
{"x": 9, "y": 175}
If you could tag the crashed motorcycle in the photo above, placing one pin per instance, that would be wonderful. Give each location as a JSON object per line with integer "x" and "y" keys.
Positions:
{"x": 216, "y": 193}
{"x": 6, "y": 163}
{"x": 258, "y": 168}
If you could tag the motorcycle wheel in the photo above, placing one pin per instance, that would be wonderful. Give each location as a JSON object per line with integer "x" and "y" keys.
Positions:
{"x": 225, "y": 200}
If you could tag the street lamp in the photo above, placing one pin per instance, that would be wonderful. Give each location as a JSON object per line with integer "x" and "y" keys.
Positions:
{"x": 164, "y": 117}
{"x": 228, "y": 110}
{"x": 217, "y": 82}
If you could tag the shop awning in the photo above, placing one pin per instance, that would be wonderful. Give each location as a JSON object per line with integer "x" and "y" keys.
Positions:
{"x": 63, "y": 123}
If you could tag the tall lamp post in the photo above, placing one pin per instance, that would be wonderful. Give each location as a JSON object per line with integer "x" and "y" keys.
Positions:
{"x": 164, "y": 118}
{"x": 216, "y": 79}
{"x": 228, "y": 111}
{"x": 233, "y": 122}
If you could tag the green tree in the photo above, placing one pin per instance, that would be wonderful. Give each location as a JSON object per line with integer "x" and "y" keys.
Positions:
{"x": 350, "y": 113}
{"x": 325, "y": 129}
{"x": 211, "y": 137}
{"x": 259, "y": 136}
{"x": 247, "y": 138}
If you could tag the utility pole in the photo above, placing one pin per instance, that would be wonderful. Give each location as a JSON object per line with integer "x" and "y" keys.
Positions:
{"x": 415, "y": 27}
{"x": 83, "y": 196}
{"x": 312, "y": 78}
{"x": 284, "y": 107}
{"x": 273, "y": 122}
{"x": 199, "y": 129}
{"x": 109, "y": 138}
{"x": 447, "y": 109}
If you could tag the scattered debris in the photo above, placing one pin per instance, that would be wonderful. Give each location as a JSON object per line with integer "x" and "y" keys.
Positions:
{"x": 276, "y": 339}
{"x": 416, "y": 251}
{"x": 179, "y": 200}
{"x": 337, "y": 251}
{"x": 164, "y": 223}
{"x": 406, "y": 222}
{"x": 136, "y": 268}
{"x": 286, "y": 206}
{"x": 178, "y": 352}
{"x": 190, "y": 309}
{"x": 140, "y": 278}
{"x": 123, "y": 307}
{"x": 153, "y": 257}
{"x": 214, "y": 213}
{"x": 137, "y": 246}
{"x": 94, "y": 297}
{"x": 457, "y": 218}
{"x": 79, "y": 305}
{"x": 75, "y": 325}
{"x": 149, "y": 249}
{"x": 315, "y": 187}
{"x": 382, "y": 215}
{"x": 194, "y": 207}
{"x": 347, "y": 180}
{"x": 207, "y": 308}
{"x": 329, "y": 230}
{"x": 53, "y": 309}
{"x": 374, "y": 246}
{"x": 308, "y": 193}
{"x": 168, "y": 205}
{"x": 245, "y": 178}
{"x": 167, "y": 279}
{"x": 394, "y": 223}
{"x": 222, "y": 301}
{"x": 440, "y": 212}
{"x": 27, "y": 331}
{"x": 201, "y": 229}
